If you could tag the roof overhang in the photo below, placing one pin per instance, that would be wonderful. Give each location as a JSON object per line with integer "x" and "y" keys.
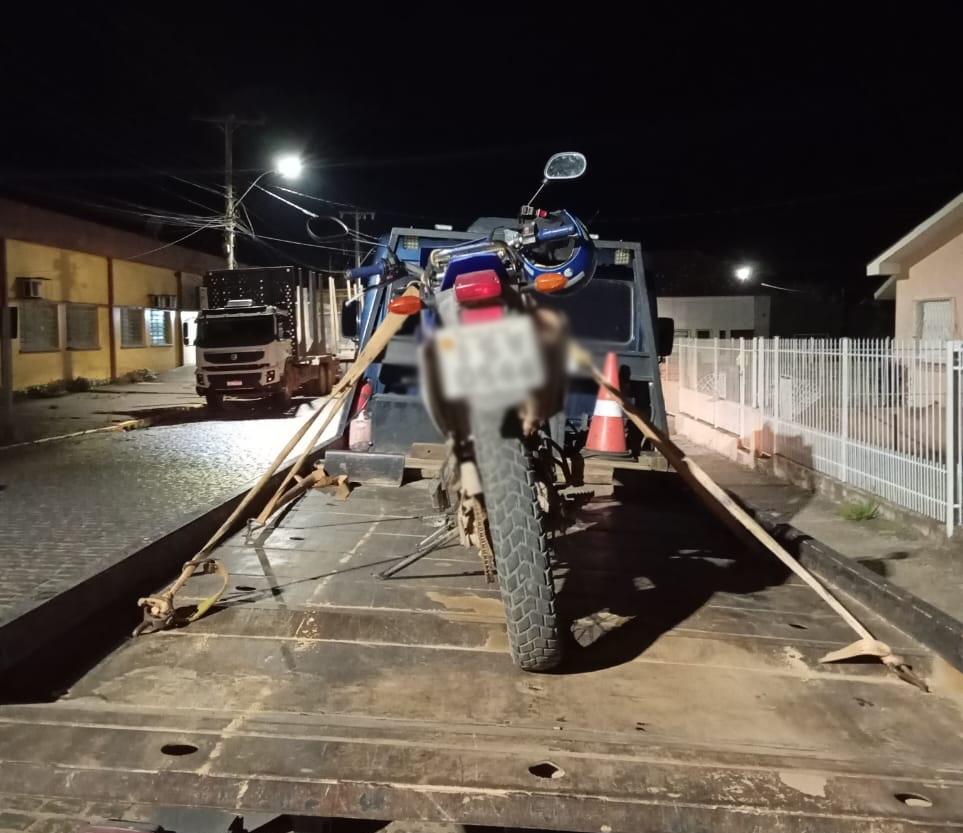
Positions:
{"x": 887, "y": 292}
{"x": 936, "y": 230}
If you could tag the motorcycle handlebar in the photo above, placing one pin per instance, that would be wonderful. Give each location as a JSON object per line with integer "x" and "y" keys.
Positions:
{"x": 567, "y": 230}
{"x": 370, "y": 271}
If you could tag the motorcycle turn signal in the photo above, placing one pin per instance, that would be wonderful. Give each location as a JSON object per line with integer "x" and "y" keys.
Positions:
{"x": 405, "y": 305}
{"x": 550, "y": 282}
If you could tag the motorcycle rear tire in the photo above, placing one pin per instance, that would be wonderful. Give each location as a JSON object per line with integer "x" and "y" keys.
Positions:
{"x": 519, "y": 536}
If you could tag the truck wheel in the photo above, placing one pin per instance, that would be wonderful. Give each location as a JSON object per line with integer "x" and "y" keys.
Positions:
{"x": 282, "y": 399}
{"x": 519, "y": 533}
{"x": 215, "y": 400}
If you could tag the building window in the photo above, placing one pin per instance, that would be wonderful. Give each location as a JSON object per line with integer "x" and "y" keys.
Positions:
{"x": 742, "y": 334}
{"x": 131, "y": 327}
{"x": 681, "y": 333}
{"x": 703, "y": 333}
{"x": 159, "y": 328}
{"x": 39, "y": 327}
{"x": 934, "y": 320}
{"x": 82, "y": 331}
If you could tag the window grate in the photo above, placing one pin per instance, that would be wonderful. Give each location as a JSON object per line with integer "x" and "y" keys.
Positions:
{"x": 131, "y": 327}
{"x": 159, "y": 327}
{"x": 82, "y": 327}
{"x": 39, "y": 327}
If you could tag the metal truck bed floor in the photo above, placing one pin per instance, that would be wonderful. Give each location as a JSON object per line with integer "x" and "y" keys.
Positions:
{"x": 691, "y": 699}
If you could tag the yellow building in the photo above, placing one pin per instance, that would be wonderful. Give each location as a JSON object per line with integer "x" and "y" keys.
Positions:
{"x": 83, "y": 300}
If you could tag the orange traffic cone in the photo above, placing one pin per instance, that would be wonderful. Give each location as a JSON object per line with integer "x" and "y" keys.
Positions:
{"x": 606, "y": 437}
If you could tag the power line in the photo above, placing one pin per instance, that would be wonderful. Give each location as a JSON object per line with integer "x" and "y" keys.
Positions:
{"x": 310, "y": 214}
{"x": 339, "y": 249}
{"x": 317, "y": 198}
{"x": 380, "y": 210}
{"x": 167, "y": 245}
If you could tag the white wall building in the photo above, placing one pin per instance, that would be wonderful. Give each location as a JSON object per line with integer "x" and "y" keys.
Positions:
{"x": 924, "y": 275}
{"x": 718, "y": 316}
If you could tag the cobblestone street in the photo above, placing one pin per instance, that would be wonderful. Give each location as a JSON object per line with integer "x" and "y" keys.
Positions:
{"x": 70, "y": 508}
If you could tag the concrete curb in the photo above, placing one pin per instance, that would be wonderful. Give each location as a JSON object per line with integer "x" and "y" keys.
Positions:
{"x": 127, "y": 425}
{"x": 141, "y": 569}
{"x": 925, "y": 623}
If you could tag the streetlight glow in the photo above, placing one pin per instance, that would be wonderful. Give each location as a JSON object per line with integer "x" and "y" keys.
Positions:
{"x": 289, "y": 166}
{"x": 743, "y": 273}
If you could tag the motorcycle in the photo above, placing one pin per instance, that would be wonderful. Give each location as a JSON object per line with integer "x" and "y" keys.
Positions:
{"x": 492, "y": 373}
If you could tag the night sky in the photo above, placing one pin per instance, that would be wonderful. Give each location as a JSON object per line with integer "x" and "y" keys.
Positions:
{"x": 804, "y": 137}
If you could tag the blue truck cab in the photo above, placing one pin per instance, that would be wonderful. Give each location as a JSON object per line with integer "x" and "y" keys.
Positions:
{"x": 614, "y": 312}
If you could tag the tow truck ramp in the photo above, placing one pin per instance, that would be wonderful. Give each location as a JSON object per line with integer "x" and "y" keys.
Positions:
{"x": 691, "y": 698}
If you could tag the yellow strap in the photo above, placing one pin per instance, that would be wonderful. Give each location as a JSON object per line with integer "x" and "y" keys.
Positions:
{"x": 206, "y": 604}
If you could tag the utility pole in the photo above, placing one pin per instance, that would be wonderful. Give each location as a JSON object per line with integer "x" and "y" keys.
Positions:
{"x": 6, "y": 349}
{"x": 229, "y": 124}
{"x": 358, "y": 217}
{"x": 229, "y": 216}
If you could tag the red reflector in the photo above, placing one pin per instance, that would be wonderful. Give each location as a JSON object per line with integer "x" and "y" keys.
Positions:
{"x": 541, "y": 213}
{"x": 477, "y": 286}
{"x": 479, "y": 315}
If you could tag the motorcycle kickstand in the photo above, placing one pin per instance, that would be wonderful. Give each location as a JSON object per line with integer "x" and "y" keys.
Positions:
{"x": 422, "y": 548}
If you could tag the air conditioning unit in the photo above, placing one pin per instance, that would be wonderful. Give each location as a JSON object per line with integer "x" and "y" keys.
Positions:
{"x": 162, "y": 301}
{"x": 29, "y": 287}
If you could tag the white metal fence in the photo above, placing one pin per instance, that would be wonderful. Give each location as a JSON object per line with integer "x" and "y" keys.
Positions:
{"x": 881, "y": 415}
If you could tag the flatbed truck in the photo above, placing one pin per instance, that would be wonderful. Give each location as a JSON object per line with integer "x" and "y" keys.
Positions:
{"x": 692, "y": 697}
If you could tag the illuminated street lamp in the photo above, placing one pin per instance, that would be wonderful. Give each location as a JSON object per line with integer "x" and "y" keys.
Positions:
{"x": 743, "y": 273}
{"x": 288, "y": 166}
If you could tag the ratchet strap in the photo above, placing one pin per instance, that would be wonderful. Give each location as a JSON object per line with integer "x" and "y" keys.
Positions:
{"x": 736, "y": 517}
{"x": 159, "y": 610}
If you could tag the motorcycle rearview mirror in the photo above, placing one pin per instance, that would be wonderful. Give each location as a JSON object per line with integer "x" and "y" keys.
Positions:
{"x": 350, "y": 318}
{"x": 570, "y": 165}
{"x": 567, "y": 165}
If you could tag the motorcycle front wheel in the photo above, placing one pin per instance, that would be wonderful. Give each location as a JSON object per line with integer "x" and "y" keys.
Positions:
{"x": 519, "y": 533}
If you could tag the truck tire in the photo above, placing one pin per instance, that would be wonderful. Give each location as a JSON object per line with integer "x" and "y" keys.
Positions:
{"x": 519, "y": 536}
{"x": 215, "y": 400}
{"x": 282, "y": 399}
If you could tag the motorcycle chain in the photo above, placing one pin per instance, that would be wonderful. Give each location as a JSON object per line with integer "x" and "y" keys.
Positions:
{"x": 484, "y": 545}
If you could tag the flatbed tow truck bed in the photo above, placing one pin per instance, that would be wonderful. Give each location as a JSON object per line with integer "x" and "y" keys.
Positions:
{"x": 691, "y": 699}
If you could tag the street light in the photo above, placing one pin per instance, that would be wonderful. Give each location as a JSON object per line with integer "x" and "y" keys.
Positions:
{"x": 743, "y": 273}
{"x": 287, "y": 167}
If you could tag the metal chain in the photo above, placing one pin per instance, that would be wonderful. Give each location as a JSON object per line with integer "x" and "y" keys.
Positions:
{"x": 484, "y": 545}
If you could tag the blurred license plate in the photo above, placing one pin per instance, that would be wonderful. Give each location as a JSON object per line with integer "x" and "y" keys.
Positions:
{"x": 499, "y": 361}
{"x": 234, "y": 383}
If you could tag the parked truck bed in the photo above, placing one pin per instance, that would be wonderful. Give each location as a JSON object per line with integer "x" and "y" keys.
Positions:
{"x": 691, "y": 699}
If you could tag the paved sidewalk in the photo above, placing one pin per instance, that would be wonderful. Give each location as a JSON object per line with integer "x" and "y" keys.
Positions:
{"x": 930, "y": 567}
{"x": 35, "y": 419}
{"x": 73, "y": 508}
